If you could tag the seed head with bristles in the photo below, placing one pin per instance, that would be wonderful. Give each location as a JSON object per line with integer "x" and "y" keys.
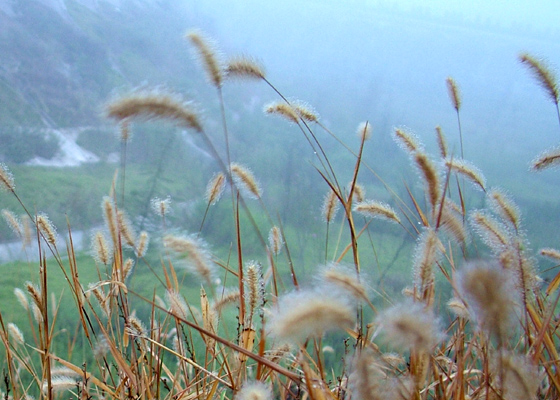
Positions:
{"x": 198, "y": 258}
{"x": 411, "y": 326}
{"x": 364, "y": 131}
{"x": 6, "y": 178}
{"x": 245, "y": 180}
{"x": 305, "y": 111}
{"x": 488, "y": 292}
{"x": 242, "y": 67}
{"x": 406, "y": 140}
{"x": 125, "y": 228}
{"x": 426, "y": 255}
{"x": 548, "y": 159}
{"x": 13, "y": 222}
{"x": 215, "y": 188}
{"x": 543, "y": 74}
{"x": 208, "y": 56}
{"x": 177, "y": 304}
{"x": 307, "y": 313}
{"x": 442, "y": 144}
{"x": 550, "y": 253}
{"x": 284, "y": 110}
{"x": 453, "y": 91}
{"x": 431, "y": 178}
{"x": 161, "y": 207}
{"x": 255, "y": 390}
{"x": 275, "y": 240}
{"x": 154, "y": 106}
{"x": 502, "y": 204}
{"x": 494, "y": 234}
{"x": 21, "y": 298}
{"x": 46, "y": 228}
{"x": 102, "y": 252}
{"x": 337, "y": 277}
{"x": 330, "y": 206}
{"x": 467, "y": 170}
{"x": 15, "y": 333}
{"x": 142, "y": 245}
{"x": 254, "y": 286}
{"x": 359, "y": 192}
{"x": 377, "y": 209}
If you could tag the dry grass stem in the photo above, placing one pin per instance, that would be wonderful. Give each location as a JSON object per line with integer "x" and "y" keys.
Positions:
{"x": 364, "y": 131}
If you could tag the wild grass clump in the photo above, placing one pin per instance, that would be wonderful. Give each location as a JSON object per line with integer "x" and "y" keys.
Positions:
{"x": 476, "y": 321}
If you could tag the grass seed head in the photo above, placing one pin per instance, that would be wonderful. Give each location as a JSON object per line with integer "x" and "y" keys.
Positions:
{"x": 489, "y": 294}
{"x": 377, "y": 209}
{"x": 15, "y": 333}
{"x": 330, "y": 206}
{"x": 245, "y": 180}
{"x": 6, "y": 178}
{"x": 406, "y": 140}
{"x": 275, "y": 240}
{"x": 255, "y": 390}
{"x": 161, "y": 207}
{"x": 544, "y": 75}
{"x": 101, "y": 250}
{"x": 453, "y": 91}
{"x": 215, "y": 188}
{"x": 308, "y": 313}
{"x": 154, "y": 105}
{"x": 410, "y": 325}
{"x": 46, "y": 228}
{"x": 142, "y": 245}
{"x": 442, "y": 143}
{"x": 337, "y": 277}
{"x": 502, "y": 205}
{"x": 364, "y": 131}
{"x": 206, "y": 51}
{"x": 244, "y": 68}
{"x": 467, "y": 170}
{"x": 431, "y": 178}
{"x": 548, "y": 159}
{"x": 13, "y": 222}
{"x": 283, "y": 110}
{"x": 197, "y": 256}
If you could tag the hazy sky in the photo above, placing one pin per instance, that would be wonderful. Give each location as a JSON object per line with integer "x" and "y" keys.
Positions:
{"x": 543, "y": 13}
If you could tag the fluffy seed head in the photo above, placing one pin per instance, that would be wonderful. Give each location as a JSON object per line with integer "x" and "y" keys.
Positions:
{"x": 245, "y": 179}
{"x": 215, "y": 188}
{"x": 198, "y": 258}
{"x": 275, "y": 240}
{"x": 344, "y": 279}
{"x": 161, "y": 207}
{"x": 102, "y": 252}
{"x": 255, "y": 390}
{"x": 548, "y": 159}
{"x": 406, "y": 140}
{"x": 208, "y": 56}
{"x": 364, "y": 131}
{"x": 125, "y": 228}
{"x": 431, "y": 178}
{"x": 359, "y": 192}
{"x": 493, "y": 233}
{"x": 303, "y": 314}
{"x": 502, "y": 204}
{"x": 453, "y": 91}
{"x": 47, "y": 228}
{"x": 283, "y": 110}
{"x": 6, "y": 178}
{"x": 442, "y": 143}
{"x": 142, "y": 245}
{"x": 13, "y": 222}
{"x": 377, "y": 209}
{"x": 60, "y": 384}
{"x": 410, "y": 326}
{"x": 467, "y": 170}
{"x": 452, "y": 223}
{"x": 426, "y": 255}
{"x": 254, "y": 286}
{"x": 488, "y": 292}
{"x": 177, "y": 304}
{"x": 110, "y": 219}
{"x": 521, "y": 378}
{"x": 330, "y": 206}
{"x": 21, "y": 298}
{"x": 149, "y": 106}
{"x": 543, "y": 74}
{"x": 15, "y": 333}
{"x": 244, "y": 68}
{"x": 305, "y": 111}
{"x": 550, "y": 253}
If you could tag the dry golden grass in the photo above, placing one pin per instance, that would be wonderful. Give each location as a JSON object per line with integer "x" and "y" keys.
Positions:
{"x": 261, "y": 338}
